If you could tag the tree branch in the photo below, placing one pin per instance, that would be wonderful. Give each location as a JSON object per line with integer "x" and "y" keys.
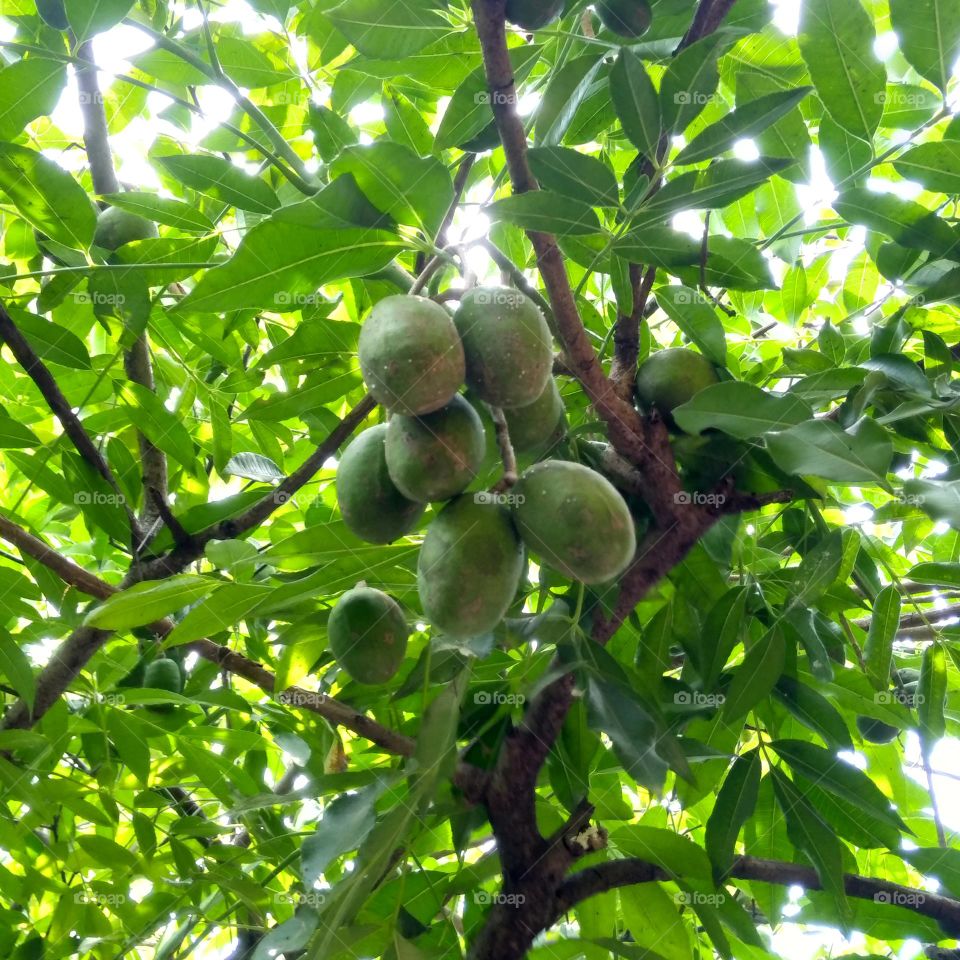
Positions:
{"x": 505, "y": 445}
{"x": 95, "y": 134}
{"x": 182, "y": 556}
{"x": 35, "y": 368}
{"x": 622, "y": 873}
{"x": 626, "y": 333}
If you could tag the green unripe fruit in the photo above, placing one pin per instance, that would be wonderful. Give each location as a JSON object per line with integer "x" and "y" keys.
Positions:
{"x": 626, "y": 18}
{"x": 576, "y": 520}
{"x": 533, "y": 14}
{"x": 669, "y": 378}
{"x": 371, "y": 505}
{"x": 436, "y": 456}
{"x": 538, "y": 427}
{"x": 163, "y": 675}
{"x": 53, "y": 13}
{"x": 115, "y": 227}
{"x": 368, "y": 634}
{"x": 876, "y": 731}
{"x": 470, "y": 566}
{"x": 410, "y": 355}
{"x": 507, "y": 344}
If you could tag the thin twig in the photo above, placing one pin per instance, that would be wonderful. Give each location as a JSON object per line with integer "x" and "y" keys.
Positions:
{"x": 507, "y": 455}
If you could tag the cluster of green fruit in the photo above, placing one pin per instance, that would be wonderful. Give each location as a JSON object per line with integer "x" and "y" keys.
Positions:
{"x": 626, "y": 18}
{"x": 415, "y": 359}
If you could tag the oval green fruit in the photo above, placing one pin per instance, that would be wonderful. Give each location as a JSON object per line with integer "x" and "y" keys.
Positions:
{"x": 411, "y": 355}
{"x": 533, "y": 14}
{"x": 876, "y": 731}
{"x": 626, "y": 18}
{"x": 575, "y": 519}
{"x": 115, "y": 227}
{"x": 436, "y": 456}
{"x": 507, "y": 344}
{"x": 669, "y": 378}
{"x": 53, "y": 13}
{"x": 470, "y": 566}
{"x": 368, "y": 634}
{"x": 538, "y": 427}
{"x": 371, "y": 505}
{"x": 163, "y": 675}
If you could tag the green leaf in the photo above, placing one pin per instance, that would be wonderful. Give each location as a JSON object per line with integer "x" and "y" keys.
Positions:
{"x": 575, "y": 174}
{"x": 228, "y": 605}
{"x": 14, "y": 435}
{"x": 931, "y": 694}
{"x": 836, "y": 39}
{"x": 741, "y": 410}
{"x": 547, "y": 212}
{"x": 146, "y": 602}
{"x": 389, "y": 30}
{"x": 697, "y": 318}
{"x": 756, "y": 677}
{"x": 344, "y": 826}
{"x": 939, "y": 574}
{"x": 689, "y": 83}
{"x": 735, "y": 804}
{"x": 815, "y": 712}
{"x": 46, "y": 196}
{"x": 929, "y": 35}
{"x": 52, "y": 343}
{"x": 878, "y": 650}
{"x": 829, "y": 773}
{"x": 909, "y": 223}
{"x": 291, "y": 936}
{"x": 636, "y": 102}
{"x": 938, "y": 862}
{"x": 566, "y": 91}
{"x": 16, "y": 669}
{"x": 158, "y": 424}
{"x": 810, "y": 834}
{"x": 279, "y": 265}
{"x": 253, "y": 466}
{"x": 173, "y": 213}
{"x": 413, "y": 190}
{"x": 745, "y": 121}
{"x": 677, "y": 855}
{"x": 223, "y": 180}
{"x": 615, "y": 709}
{"x": 29, "y": 88}
{"x": 939, "y": 499}
{"x": 934, "y": 165}
{"x": 722, "y": 631}
{"x": 821, "y": 448}
{"x": 90, "y": 17}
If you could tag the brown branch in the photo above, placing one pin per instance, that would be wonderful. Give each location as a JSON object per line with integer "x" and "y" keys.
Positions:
{"x": 504, "y": 444}
{"x": 83, "y": 643}
{"x": 95, "y": 134}
{"x": 622, "y": 873}
{"x": 182, "y": 556}
{"x": 710, "y": 14}
{"x": 38, "y": 372}
{"x": 626, "y": 333}
{"x": 459, "y": 185}
{"x": 624, "y": 423}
